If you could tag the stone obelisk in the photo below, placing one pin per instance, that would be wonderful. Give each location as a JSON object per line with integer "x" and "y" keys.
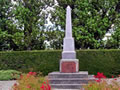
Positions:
{"x": 68, "y": 63}
{"x": 69, "y": 76}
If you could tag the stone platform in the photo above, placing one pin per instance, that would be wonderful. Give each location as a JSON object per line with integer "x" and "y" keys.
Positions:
{"x": 69, "y": 80}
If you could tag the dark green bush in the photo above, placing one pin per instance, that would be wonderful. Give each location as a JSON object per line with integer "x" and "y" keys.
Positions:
{"x": 106, "y": 61}
{"x": 93, "y": 61}
{"x": 25, "y": 61}
{"x": 9, "y": 74}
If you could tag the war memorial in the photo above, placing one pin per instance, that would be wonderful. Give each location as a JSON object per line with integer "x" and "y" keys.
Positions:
{"x": 69, "y": 76}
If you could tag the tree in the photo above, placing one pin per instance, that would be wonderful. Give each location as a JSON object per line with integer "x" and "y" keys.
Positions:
{"x": 114, "y": 41}
{"x": 91, "y": 20}
{"x": 6, "y": 25}
{"x": 31, "y": 16}
{"x": 116, "y": 38}
{"x": 55, "y": 37}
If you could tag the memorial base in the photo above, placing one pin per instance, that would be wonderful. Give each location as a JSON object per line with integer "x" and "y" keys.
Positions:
{"x": 77, "y": 80}
{"x": 69, "y": 65}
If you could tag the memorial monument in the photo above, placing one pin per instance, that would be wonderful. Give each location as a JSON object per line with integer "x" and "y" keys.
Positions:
{"x": 69, "y": 76}
{"x": 68, "y": 63}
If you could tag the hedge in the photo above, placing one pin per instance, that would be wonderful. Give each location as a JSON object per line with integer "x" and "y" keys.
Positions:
{"x": 93, "y": 61}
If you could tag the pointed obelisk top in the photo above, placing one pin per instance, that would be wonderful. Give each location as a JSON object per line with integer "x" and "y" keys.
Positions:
{"x": 68, "y": 7}
{"x": 68, "y": 43}
{"x": 68, "y": 33}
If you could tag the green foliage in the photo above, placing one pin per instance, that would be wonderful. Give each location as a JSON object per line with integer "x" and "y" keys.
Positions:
{"x": 38, "y": 61}
{"x": 93, "y": 61}
{"x": 22, "y": 24}
{"x": 55, "y": 37}
{"x": 91, "y": 20}
{"x": 116, "y": 38}
{"x": 31, "y": 19}
{"x": 5, "y": 24}
{"x": 9, "y": 74}
{"x": 114, "y": 41}
{"x": 106, "y": 61}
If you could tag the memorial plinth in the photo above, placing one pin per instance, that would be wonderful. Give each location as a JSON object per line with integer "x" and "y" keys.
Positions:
{"x": 69, "y": 76}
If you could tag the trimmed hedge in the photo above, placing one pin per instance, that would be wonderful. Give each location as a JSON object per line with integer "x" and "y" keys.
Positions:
{"x": 93, "y": 61}
{"x": 25, "y": 61}
{"x": 106, "y": 61}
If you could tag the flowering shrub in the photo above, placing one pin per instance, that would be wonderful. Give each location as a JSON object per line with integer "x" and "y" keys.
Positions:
{"x": 99, "y": 76}
{"x": 102, "y": 83}
{"x": 31, "y": 82}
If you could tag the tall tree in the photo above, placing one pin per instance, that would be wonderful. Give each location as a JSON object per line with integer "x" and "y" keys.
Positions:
{"x": 6, "y": 25}
{"x": 91, "y": 20}
{"x": 31, "y": 16}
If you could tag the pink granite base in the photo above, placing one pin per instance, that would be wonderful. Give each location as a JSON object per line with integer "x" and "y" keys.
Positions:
{"x": 68, "y": 67}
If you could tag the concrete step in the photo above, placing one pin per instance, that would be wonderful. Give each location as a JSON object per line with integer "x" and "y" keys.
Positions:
{"x": 67, "y": 86}
{"x": 68, "y": 81}
{"x": 68, "y": 75}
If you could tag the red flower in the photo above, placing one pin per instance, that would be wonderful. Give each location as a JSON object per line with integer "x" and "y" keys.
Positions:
{"x": 43, "y": 87}
{"x": 49, "y": 87}
{"x": 115, "y": 79}
{"x": 32, "y": 73}
{"x": 28, "y": 86}
{"x": 47, "y": 81}
{"x": 46, "y": 88}
{"x": 15, "y": 84}
{"x": 112, "y": 76}
{"x": 21, "y": 76}
{"x": 100, "y": 75}
{"x": 28, "y": 75}
{"x": 44, "y": 82}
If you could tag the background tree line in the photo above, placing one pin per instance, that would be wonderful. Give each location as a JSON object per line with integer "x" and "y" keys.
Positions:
{"x": 23, "y": 24}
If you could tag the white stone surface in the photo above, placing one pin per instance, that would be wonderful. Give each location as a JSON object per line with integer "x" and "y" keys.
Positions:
{"x": 7, "y": 85}
{"x": 68, "y": 33}
{"x": 68, "y": 43}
